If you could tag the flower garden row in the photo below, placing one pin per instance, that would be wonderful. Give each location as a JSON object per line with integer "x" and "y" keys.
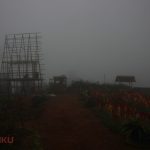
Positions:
{"x": 122, "y": 105}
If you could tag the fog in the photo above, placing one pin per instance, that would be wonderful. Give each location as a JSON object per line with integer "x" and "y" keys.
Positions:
{"x": 85, "y": 39}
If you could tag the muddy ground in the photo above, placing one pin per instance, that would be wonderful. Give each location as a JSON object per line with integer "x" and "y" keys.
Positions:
{"x": 66, "y": 124}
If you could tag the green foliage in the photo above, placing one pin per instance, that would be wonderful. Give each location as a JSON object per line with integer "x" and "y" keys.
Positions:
{"x": 38, "y": 100}
{"x": 13, "y": 113}
{"x": 90, "y": 102}
{"x": 23, "y": 139}
{"x": 135, "y": 133}
{"x": 108, "y": 121}
{"x": 7, "y": 118}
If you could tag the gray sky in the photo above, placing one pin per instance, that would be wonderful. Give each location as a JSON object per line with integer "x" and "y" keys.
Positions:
{"x": 85, "y": 38}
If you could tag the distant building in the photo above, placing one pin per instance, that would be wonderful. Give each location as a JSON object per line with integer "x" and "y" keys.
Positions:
{"x": 60, "y": 80}
{"x": 58, "y": 83}
{"x": 126, "y": 79}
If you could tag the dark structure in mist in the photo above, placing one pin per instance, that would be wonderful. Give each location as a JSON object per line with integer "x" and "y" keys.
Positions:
{"x": 21, "y": 68}
{"x": 62, "y": 80}
{"x": 58, "y": 83}
{"x": 126, "y": 79}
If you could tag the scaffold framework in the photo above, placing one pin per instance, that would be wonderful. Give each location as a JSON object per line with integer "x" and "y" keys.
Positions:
{"x": 20, "y": 67}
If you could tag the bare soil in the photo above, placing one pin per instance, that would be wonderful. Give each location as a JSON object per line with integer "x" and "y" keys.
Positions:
{"x": 67, "y": 125}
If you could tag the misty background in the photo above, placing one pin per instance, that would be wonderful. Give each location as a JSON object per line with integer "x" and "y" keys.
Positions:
{"x": 85, "y": 39}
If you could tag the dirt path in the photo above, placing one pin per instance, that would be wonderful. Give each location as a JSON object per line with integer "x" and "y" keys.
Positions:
{"x": 67, "y": 125}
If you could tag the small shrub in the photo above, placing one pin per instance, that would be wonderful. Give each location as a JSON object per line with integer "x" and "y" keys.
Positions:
{"x": 109, "y": 122}
{"x": 38, "y": 100}
{"x": 135, "y": 133}
{"x": 90, "y": 102}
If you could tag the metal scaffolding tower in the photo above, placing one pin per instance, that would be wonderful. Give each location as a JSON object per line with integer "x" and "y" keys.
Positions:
{"x": 20, "y": 67}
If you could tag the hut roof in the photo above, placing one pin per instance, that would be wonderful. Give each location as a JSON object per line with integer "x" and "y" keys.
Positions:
{"x": 125, "y": 79}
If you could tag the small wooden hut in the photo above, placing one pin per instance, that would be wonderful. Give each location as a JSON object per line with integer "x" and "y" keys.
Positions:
{"x": 126, "y": 79}
{"x": 58, "y": 83}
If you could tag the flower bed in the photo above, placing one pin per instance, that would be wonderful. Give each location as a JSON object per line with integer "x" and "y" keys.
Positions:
{"x": 121, "y": 109}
